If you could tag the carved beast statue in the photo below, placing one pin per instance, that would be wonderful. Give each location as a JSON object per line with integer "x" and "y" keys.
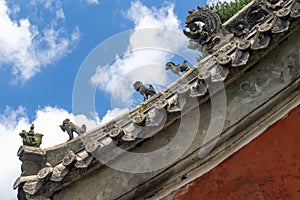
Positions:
{"x": 204, "y": 27}
{"x": 178, "y": 69}
{"x": 68, "y": 126}
{"x": 143, "y": 90}
{"x": 31, "y": 138}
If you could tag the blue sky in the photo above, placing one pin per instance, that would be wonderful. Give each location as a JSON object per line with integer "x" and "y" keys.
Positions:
{"x": 45, "y": 46}
{"x": 92, "y": 23}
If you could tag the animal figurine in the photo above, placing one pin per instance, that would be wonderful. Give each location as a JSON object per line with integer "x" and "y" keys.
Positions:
{"x": 68, "y": 126}
{"x": 143, "y": 90}
{"x": 31, "y": 138}
{"x": 178, "y": 69}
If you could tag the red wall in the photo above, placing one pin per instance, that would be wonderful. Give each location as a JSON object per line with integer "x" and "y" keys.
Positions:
{"x": 267, "y": 168}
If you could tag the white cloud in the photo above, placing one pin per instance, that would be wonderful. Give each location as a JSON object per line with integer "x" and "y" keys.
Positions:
{"x": 144, "y": 17}
{"x": 92, "y": 1}
{"x": 48, "y": 120}
{"x": 53, "y": 6}
{"x": 111, "y": 114}
{"x": 146, "y": 65}
{"x": 12, "y": 122}
{"x": 26, "y": 48}
{"x": 10, "y": 141}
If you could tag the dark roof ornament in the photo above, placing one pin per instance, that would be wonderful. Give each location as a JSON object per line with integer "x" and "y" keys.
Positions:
{"x": 241, "y": 54}
{"x": 143, "y": 90}
{"x": 178, "y": 69}
{"x": 204, "y": 27}
{"x": 70, "y": 127}
{"x": 31, "y": 138}
{"x": 295, "y": 9}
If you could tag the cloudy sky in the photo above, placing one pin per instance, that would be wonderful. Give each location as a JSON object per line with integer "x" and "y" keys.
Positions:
{"x": 78, "y": 59}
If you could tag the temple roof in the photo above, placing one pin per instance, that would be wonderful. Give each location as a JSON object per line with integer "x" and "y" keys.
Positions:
{"x": 233, "y": 48}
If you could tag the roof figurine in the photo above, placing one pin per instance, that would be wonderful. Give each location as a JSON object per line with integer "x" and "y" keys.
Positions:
{"x": 178, "y": 69}
{"x": 204, "y": 27}
{"x": 143, "y": 90}
{"x": 31, "y": 138}
{"x": 70, "y": 127}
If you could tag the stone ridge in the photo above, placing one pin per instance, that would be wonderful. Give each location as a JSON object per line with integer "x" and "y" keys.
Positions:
{"x": 233, "y": 48}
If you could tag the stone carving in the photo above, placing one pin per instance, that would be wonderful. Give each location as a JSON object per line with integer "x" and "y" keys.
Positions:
{"x": 262, "y": 38}
{"x": 59, "y": 172}
{"x": 220, "y": 74}
{"x": 280, "y": 22}
{"x": 157, "y": 116}
{"x": 131, "y": 132}
{"x": 31, "y": 138}
{"x": 204, "y": 27}
{"x": 160, "y": 104}
{"x": 45, "y": 172}
{"x": 224, "y": 60}
{"x": 295, "y": 9}
{"x": 273, "y": 4}
{"x": 178, "y": 69}
{"x": 247, "y": 20}
{"x": 143, "y": 90}
{"x": 92, "y": 146}
{"x": 32, "y": 187}
{"x": 69, "y": 159}
{"x": 84, "y": 160}
{"x": 139, "y": 119}
{"x": 115, "y": 132}
{"x": 200, "y": 86}
{"x": 173, "y": 105}
{"x": 241, "y": 54}
{"x": 68, "y": 126}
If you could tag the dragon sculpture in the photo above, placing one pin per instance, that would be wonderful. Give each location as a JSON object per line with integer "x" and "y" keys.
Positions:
{"x": 204, "y": 27}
